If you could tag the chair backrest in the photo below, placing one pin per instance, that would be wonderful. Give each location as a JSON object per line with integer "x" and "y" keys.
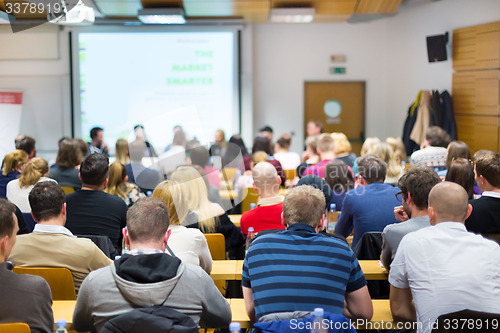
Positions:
{"x": 228, "y": 174}
{"x": 59, "y": 279}
{"x": 15, "y": 328}
{"x": 68, "y": 189}
{"x": 30, "y": 223}
{"x": 290, "y": 174}
{"x": 250, "y": 196}
{"x": 217, "y": 246}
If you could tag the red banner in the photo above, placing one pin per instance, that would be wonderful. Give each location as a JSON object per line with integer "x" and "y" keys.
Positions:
{"x": 7, "y": 97}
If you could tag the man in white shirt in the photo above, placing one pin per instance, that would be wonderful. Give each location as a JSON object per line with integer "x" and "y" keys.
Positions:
{"x": 443, "y": 267}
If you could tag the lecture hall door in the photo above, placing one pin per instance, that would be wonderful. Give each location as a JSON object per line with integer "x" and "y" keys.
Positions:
{"x": 340, "y": 106}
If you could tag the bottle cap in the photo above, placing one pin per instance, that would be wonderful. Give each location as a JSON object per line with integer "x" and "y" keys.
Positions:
{"x": 333, "y": 207}
{"x": 61, "y": 323}
{"x": 234, "y": 327}
{"x": 252, "y": 205}
{"x": 319, "y": 312}
{"x": 251, "y": 229}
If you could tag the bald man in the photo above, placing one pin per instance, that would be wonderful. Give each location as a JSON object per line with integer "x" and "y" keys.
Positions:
{"x": 443, "y": 267}
{"x": 267, "y": 214}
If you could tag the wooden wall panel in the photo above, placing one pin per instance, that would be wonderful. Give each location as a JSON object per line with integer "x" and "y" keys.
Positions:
{"x": 477, "y": 47}
{"x": 377, "y": 6}
{"x": 479, "y": 132}
{"x": 476, "y": 92}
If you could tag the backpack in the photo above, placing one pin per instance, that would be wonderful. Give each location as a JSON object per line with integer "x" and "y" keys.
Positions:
{"x": 153, "y": 319}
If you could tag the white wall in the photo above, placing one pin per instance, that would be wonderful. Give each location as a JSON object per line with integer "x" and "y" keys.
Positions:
{"x": 389, "y": 54}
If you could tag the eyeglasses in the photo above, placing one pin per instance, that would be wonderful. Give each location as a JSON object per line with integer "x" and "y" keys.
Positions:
{"x": 399, "y": 196}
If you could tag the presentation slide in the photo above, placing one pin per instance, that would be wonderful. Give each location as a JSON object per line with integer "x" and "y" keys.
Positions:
{"x": 159, "y": 80}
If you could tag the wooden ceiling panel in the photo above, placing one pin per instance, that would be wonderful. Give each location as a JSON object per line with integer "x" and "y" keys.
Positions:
{"x": 331, "y": 8}
{"x": 377, "y": 6}
{"x": 227, "y": 8}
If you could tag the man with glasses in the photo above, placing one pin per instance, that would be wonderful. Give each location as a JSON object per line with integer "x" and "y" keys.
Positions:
{"x": 370, "y": 206}
{"x": 415, "y": 186}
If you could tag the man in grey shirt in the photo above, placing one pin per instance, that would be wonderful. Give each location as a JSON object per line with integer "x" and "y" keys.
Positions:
{"x": 415, "y": 186}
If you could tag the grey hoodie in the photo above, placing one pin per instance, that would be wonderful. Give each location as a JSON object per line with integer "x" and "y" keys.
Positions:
{"x": 146, "y": 280}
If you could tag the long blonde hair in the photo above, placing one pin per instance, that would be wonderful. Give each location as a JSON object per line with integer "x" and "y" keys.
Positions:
{"x": 122, "y": 151}
{"x": 342, "y": 144}
{"x": 195, "y": 195}
{"x": 368, "y": 145}
{"x": 117, "y": 175}
{"x": 169, "y": 192}
{"x": 33, "y": 171}
{"x": 13, "y": 161}
{"x": 385, "y": 152}
{"x": 399, "y": 149}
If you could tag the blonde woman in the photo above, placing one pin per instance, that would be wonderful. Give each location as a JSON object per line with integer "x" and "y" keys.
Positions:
{"x": 343, "y": 149}
{"x": 188, "y": 244}
{"x": 13, "y": 165}
{"x": 122, "y": 151}
{"x": 207, "y": 216}
{"x": 369, "y": 143}
{"x": 398, "y": 148}
{"x": 118, "y": 185}
{"x": 220, "y": 145}
{"x": 394, "y": 169}
{"x": 34, "y": 171}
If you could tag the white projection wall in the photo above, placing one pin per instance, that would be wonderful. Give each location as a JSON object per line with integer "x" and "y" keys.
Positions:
{"x": 158, "y": 79}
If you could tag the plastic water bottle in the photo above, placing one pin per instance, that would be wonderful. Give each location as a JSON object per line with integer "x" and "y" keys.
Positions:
{"x": 252, "y": 206}
{"x": 61, "y": 326}
{"x": 235, "y": 327}
{"x": 250, "y": 237}
{"x": 331, "y": 218}
{"x": 403, "y": 164}
{"x": 318, "y": 324}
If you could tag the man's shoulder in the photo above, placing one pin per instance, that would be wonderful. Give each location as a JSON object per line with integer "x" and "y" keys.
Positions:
{"x": 485, "y": 201}
{"x": 287, "y": 238}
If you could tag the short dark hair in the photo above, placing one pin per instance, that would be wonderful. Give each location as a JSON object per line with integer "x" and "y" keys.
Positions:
{"x": 7, "y": 208}
{"x": 94, "y": 131}
{"x": 372, "y": 168}
{"x": 199, "y": 156}
{"x": 437, "y": 137}
{"x": 266, "y": 128}
{"x": 138, "y": 126}
{"x": 262, "y": 143}
{"x": 338, "y": 176}
{"x": 284, "y": 141}
{"x": 488, "y": 166}
{"x": 418, "y": 182}
{"x": 26, "y": 143}
{"x": 94, "y": 169}
{"x": 46, "y": 200}
{"x": 147, "y": 220}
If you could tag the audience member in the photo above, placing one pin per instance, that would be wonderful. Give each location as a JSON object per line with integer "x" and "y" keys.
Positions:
{"x": 25, "y": 298}
{"x": 433, "y": 151}
{"x": 370, "y": 206}
{"x": 27, "y": 144}
{"x": 289, "y": 160}
{"x": 320, "y": 184}
{"x": 485, "y": 216}
{"x": 343, "y": 149}
{"x": 220, "y": 145}
{"x": 121, "y": 152}
{"x": 91, "y": 211}
{"x": 326, "y": 146}
{"x": 415, "y": 186}
{"x": 97, "y": 145}
{"x": 175, "y": 156}
{"x": 299, "y": 269}
{"x": 340, "y": 179}
{"x": 140, "y": 135}
{"x": 314, "y": 128}
{"x": 309, "y": 156}
{"x": 82, "y": 145}
{"x": 398, "y": 147}
{"x": 267, "y": 214}
{"x": 207, "y": 216}
{"x": 200, "y": 156}
{"x": 461, "y": 171}
{"x": 263, "y": 143}
{"x": 246, "y": 179}
{"x": 51, "y": 244}
{"x": 235, "y": 153}
{"x": 68, "y": 160}
{"x": 13, "y": 165}
{"x": 18, "y": 189}
{"x": 187, "y": 244}
{"x": 394, "y": 169}
{"x": 138, "y": 173}
{"x": 268, "y": 132}
{"x": 443, "y": 267}
{"x": 147, "y": 276}
{"x": 118, "y": 185}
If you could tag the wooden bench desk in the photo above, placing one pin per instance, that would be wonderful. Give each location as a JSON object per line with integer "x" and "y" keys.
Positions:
{"x": 235, "y": 218}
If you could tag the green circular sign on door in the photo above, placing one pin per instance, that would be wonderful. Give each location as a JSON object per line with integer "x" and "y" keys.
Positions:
{"x": 332, "y": 108}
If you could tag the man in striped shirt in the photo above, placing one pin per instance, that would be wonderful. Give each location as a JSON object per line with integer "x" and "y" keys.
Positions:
{"x": 299, "y": 269}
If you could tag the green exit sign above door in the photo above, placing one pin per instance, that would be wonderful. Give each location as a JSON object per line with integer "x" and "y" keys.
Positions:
{"x": 337, "y": 70}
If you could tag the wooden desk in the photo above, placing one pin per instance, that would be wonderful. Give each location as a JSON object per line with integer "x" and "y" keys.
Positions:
{"x": 232, "y": 269}
{"x": 64, "y": 310}
{"x": 236, "y": 218}
{"x": 228, "y": 194}
{"x": 381, "y": 314}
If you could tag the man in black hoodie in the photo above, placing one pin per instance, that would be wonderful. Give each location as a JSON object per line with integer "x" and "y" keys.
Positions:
{"x": 147, "y": 276}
